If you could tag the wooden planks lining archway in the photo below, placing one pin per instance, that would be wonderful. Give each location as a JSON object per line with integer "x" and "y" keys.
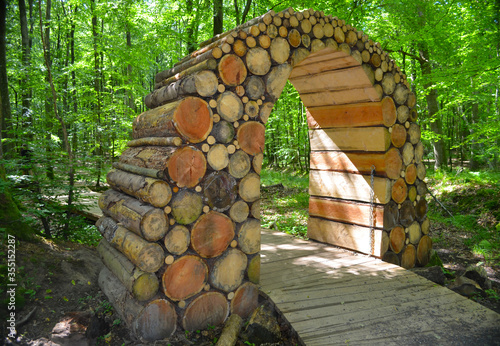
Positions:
{"x": 182, "y": 216}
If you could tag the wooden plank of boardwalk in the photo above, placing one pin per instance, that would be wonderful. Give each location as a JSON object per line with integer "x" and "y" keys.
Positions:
{"x": 332, "y": 296}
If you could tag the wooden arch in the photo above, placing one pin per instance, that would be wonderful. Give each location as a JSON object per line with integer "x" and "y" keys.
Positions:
{"x": 183, "y": 214}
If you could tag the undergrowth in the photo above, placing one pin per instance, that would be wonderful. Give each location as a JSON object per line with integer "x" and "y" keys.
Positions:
{"x": 473, "y": 200}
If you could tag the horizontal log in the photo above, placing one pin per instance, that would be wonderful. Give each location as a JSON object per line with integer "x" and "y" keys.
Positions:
{"x": 159, "y": 141}
{"x": 148, "y": 172}
{"x": 190, "y": 117}
{"x": 353, "y": 115}
{"x": 336, "y": 97}
{"x": 348, "y": 236}
{"x": 228, "y": 270}
{"x": 149, "y": 322}
{"x": 208, "y": 309}
{"x": 142, "y": 219}
{"x": 142, "y": 285}
{"x": 346, "y": 211}
{"x": 212, "y": 234}
{"x": 348, "y": 186}
{"x": 351, "y": 139}
{"x": 184, "y": 278}
{"x": 387, "y": 164}
{"x": 149, "y": 190}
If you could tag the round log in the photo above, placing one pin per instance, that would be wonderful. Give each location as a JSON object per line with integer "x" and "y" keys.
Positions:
{"x": 143, "y": 219}
{"x": 254, "y": 87}
{"x": 146, "y": 256}
{"x": 388, "y": 111}
{"x": 209, "y": 309}
{"x": 412, "y": 193}
{"x": 186, "y": 207}
{"x": 253, "y": 270}
{"x": 306, "y": 40}
{"x": 249, "y": 188}
{"x": 407, "y": 213}
{"x": 421, "y": 209}
{"x": 157, "y": 321}
{"x": 339, "y": 35}
{"x": 240, "y": 47}
{"x": 414, "y": 233}
{"x": 411, "y": 174}
{"x": 272, "y": 31}
{"x": 393, "y": 163}
{"x": 419, "y": 152}
{"x": 305, "y": 26}
{"x": 426, "y": 224}
{"x": 246, "y": 300}
{"x": 255, "y": 209}
{"x": 251, "y": 137}
{"x": 397, "y": 239}
{"x": 403, "y": 114}
{"x": 220, "y": 191}
{"x": 239, "y": 164}
{"x": 149, "y": 190}
{"x": 388, "y": 83}
{"x": 391, "y": 215}
{"x": 391, "y": 257}
{"x": 148, "y": 157}
{"x": 375, "y": 60}
{"x": 249, "y": 237}
{"x": 252, "y": 109}
{"x": 276, "y": 79}
{"x": 280, "y": 50}
{"x": 264, "y": 41}
{"x": 228, "y": 271}
{"x": 400, "y": 94}
{"x": 414, "y": 133}
{"x": 265, "y": 111}
{"x": 258, "y": 61}
{"x": 294, "y": 38}
{"x": 212, "y": 234}
{"x": 232, "y": 69}
{"x": 184, "y": 278}
{"x": 424, "y": 250}
{"x": 239, "y": 211}
{"x": 177, "y": 240}
{"x": 229, "y": 106}
{"x": 409, "y": 257}
{"x": 218, "y": 157}
{"x": 408, "y": 153}
{"x": 187, "y": 166}
{"x": 223, "y": 132}
{"x": 257, "y": 162}
{"x": 399, "y": 191}
{"x": 191, "y": 118}
{"x": 398, "y": 135}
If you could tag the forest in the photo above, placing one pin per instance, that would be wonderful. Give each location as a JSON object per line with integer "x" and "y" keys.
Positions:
{"x": 74, "y": 74}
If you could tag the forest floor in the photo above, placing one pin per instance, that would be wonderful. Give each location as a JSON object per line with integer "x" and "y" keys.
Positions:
{"x": 57, "y": 280}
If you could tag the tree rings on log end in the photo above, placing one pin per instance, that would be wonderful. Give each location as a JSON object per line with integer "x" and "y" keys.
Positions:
{"x": 220, "y": 191}
{"x": 229, "y": 106}
{"x": 232, "y": 70}
{"x": 246, "y": 300}
{"x": 398, "y": 135}
{"x": 187, "y": 166}
{"x": 389, "y": 114}
{"x": 239, "y": 211}
{"x": 399, "y": 191}
{"x": 424, "y": 249}
{"x": 229, "y": 270}
{"x": 209, "y": 309}
{"x": 393, "y": 163}
{"x": 193, "y": 119}
{"x": 258, "y": 61}
{"x": 156, "y": 321}
{"x": 186, "y": 207}
{"x": 212, "y": 234}
{"x": 239, "y": 164}
{"x": 184, "y": 278}
{"x": 397, "y": 238}
{"x": 253, "y": 270}
{"x": 251, "y": 137}
{"x": 409, "y": 257}
{"x": 249, "y": 188}
{"x": 249, "y": 237}
{"x": 177, "y": 240}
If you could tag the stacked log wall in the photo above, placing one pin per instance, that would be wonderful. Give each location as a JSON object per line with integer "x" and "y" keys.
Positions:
{"x": 185, "y": 195}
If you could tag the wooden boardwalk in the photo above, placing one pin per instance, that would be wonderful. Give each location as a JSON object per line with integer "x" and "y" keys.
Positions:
{"x": 335, "y": 297}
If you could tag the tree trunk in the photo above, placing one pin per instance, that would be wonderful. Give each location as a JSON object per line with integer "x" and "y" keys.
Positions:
{"x": 26, "y": 62}
{"x": 218, "y": 17}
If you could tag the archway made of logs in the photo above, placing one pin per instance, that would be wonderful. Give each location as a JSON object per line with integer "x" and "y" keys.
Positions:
{"x": 181, "y": 229}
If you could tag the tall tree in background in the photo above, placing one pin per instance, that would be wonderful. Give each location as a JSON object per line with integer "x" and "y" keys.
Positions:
{"x": 218, "y": 17}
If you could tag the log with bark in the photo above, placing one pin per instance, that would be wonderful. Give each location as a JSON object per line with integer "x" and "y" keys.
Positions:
{"x": 228, "y": 270}
{"x": 142, "y": 285}
{"x": 186, "y": 206}
{"x": 220, "y": 190}
{"x": 141, "y": 218}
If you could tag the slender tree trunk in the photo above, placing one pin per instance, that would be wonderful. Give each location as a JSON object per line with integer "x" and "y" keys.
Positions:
{"x": 97, "y": 90}
{"x": 433, "y": 108}
{"x": 4, "y": 86}
{"x": 218, "y": 17}
{"x": 61, "y": 121}
{"x": 26, "y": 90}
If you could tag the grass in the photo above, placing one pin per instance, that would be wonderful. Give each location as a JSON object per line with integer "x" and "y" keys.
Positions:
{"x": 285, "y": 207}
